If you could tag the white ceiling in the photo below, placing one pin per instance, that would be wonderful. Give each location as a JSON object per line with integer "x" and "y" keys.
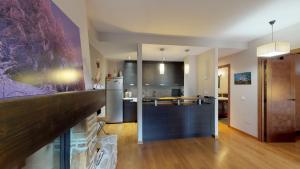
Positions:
{"x": 238, "y": 20}
{"x": 121, "y": 51}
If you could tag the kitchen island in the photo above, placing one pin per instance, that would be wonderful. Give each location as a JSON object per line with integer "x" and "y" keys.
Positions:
{"x": 169, "y": 119}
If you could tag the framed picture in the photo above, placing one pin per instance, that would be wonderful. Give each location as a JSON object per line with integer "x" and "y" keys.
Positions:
{"x": 242, "y": 78}
{"x": 40, "y": 50}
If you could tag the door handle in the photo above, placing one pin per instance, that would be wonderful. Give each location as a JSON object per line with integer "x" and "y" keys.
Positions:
{"x": 292, "y": 99}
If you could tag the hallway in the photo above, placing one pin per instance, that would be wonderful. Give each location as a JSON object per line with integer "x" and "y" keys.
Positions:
{"x": 233, "y": 150}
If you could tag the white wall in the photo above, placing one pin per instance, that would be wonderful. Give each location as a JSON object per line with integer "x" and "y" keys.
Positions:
{"x": 46, "y": 158}
{"x": 114, "y": 66}
{"x": 206, "y": 73}
{"x": 201, "y": 77}
{"x": 96, "y": 55}
{"x": 243, "y": 113}
{"x": 244, "y": 97}
{"x": 190, "y": 79}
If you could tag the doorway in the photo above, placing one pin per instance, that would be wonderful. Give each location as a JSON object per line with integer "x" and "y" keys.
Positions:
{"x": 279, "y": 97}
{"x": 224, "y": 94}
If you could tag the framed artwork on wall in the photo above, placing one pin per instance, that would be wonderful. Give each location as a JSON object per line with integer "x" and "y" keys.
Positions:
{"x": 40, "y": 50}
{"x": 242, "y": 78}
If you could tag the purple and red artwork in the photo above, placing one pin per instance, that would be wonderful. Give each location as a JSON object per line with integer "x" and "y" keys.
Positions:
{"x": 40, "y": 50}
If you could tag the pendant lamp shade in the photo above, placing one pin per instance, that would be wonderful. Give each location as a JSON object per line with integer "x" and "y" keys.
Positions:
{"x": 162, "y": 64}
{"x": 161, "y": 68}
{"x": 275, "y": 48}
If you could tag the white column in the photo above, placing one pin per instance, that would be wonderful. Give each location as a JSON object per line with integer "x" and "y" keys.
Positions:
{"x": 215, "y": 73}
{"x": 140, "y": 93}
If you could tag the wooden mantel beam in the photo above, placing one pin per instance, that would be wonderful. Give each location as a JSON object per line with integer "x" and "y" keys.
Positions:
{"x": 27, "y": 124}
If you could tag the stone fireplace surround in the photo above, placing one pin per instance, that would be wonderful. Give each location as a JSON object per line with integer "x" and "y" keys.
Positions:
{"x": 85, "y": 149}
{"x": 83, "y": 143}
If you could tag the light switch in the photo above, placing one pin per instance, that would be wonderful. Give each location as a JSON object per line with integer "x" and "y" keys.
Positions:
{"x": 243, "y": 98}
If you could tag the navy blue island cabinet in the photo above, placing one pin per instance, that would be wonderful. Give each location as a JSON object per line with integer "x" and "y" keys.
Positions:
{"x": 170, "y": 121}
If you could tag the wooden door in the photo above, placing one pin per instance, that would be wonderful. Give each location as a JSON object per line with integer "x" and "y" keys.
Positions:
{"x": 280, "y": 100}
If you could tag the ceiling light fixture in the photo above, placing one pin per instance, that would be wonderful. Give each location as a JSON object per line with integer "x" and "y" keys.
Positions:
{"x": 274, "y": 48}
{"x": 162, "y": 65}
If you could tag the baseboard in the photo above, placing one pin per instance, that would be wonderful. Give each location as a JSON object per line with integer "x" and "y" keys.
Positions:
{"x": 242, "y": 132}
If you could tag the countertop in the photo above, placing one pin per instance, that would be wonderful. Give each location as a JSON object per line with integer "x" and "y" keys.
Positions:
{"x": 132, "y": 99}
{"x": 194, "y": 98}
{"x": 184, "y": 100}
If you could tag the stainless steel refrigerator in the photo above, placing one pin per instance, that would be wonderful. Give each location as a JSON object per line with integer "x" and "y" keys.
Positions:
{"x": 114, "y": 100}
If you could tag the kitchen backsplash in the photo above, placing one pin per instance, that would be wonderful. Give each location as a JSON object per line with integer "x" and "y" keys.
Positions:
{"x": 151, "y": 91}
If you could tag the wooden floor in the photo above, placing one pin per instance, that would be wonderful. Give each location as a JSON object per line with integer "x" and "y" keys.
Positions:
{"x": 232, "y": 150}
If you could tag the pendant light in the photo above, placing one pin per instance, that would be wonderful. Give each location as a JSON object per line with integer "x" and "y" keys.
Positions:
{"x": 187, "y": 65}
{"x": 162, "y": 64}
{"x": 274, "y": 48}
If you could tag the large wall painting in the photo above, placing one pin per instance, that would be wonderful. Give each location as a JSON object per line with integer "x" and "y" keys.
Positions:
{"x": 40, "y": 50}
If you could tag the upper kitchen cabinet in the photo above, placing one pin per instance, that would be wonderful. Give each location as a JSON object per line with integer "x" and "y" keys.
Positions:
{"x": 130, "y": 73}
{"x": 150, "y": 73}
{"x": 173, "y": 76}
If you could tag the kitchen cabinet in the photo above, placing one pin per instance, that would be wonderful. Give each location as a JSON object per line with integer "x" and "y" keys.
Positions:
{"x": 130, "y": 74}
{"x": 173, "y": 76}
{"x": 150, "y": 73}
{"x": 168, "y": 121}
{"x": 129, "y": 111}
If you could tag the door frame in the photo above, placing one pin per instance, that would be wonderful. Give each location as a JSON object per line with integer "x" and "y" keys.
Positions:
{"x": 229, "y": 89}
{"x": 261, "y": 111}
